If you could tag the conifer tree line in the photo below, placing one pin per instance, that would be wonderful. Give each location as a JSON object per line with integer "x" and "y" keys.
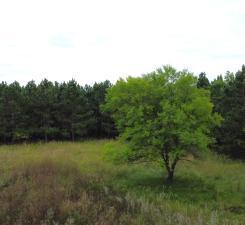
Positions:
{"x": 53, "y": 111}
{"x": 68, "y": 111}
{"x": 228, "y": 97}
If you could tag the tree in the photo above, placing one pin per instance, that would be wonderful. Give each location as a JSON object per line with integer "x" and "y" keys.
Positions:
{"x": 74, "y": 114}
{"x": 10, "y": 111}
{"x": 3, "y": 122}
{"x": 101, "y": 123}
{"x": 217, "y": 93}
{"x": 31, "y": 114}
{"x": 44, "y": 108}
{"x": 203, "y": 81}
{"x": 162, "y": 115}
{"x": 50, "y": 111}
{"x": 228, "y": 96}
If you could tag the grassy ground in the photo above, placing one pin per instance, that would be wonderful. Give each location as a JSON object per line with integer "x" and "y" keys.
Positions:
{"x": 73, "y": 183}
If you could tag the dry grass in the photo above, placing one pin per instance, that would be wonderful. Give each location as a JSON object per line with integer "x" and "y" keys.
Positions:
{"x": 48, "y": 192}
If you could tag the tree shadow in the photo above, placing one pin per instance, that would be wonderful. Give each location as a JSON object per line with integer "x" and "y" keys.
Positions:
{"x": 191, "y": 189}
{"x": 186, "y": 188}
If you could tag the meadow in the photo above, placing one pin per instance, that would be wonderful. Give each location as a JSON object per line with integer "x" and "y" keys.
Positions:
{"x": 76, "y": 183}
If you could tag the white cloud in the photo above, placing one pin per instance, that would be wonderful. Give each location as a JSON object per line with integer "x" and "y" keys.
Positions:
{"x": 96, "y": 40}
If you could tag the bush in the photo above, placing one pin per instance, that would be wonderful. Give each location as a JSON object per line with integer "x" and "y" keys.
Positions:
{"x": 117, "y": 152}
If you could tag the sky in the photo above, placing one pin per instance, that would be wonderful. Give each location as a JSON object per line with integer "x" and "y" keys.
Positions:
{"x": 95, "y": 40}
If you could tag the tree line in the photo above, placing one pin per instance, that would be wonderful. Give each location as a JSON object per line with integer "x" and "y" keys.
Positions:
{"x": 69, "y": 111}
{"x": 228, "y": 97}
{"x": 53, "y": 111}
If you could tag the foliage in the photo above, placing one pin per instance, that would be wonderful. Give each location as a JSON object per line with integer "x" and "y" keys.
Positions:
{"x": 68, "y": 111}
{"x": 10, "y": 110}
{"x": 162, "y": 115}
{"x": 49, "y": 111}
{"x": 229, "y": 98}
{"x": 117, "y": 152}
{"x": 203, "y": 81}
{"x": 102, "y": 125}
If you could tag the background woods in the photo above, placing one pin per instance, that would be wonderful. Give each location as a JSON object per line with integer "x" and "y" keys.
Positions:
{"x": 228, "y": 97}
{"x": 69, "y": 111}
{"x": 48, "y": 111}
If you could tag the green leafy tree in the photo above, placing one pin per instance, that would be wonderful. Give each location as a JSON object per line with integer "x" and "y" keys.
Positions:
{"x": 162, "y": 115}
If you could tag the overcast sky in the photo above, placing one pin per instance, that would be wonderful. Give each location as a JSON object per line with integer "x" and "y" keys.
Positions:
{"x": 94, "y": 40}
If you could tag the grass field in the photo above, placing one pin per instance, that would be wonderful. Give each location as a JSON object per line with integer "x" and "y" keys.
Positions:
{"x": 73, "y": 183}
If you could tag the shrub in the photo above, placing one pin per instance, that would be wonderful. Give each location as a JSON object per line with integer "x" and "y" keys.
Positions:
{"x": 117, "y": 152}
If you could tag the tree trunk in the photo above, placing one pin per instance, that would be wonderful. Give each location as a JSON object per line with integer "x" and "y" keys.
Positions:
{"x": 46, "y": 137}
{"x": 72, "y": 135}
{"x": 170, "y": 176}
{"x": 170, "y": 166}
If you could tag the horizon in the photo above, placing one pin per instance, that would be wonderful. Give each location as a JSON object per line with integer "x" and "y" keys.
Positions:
{"x": 37, "y": 82}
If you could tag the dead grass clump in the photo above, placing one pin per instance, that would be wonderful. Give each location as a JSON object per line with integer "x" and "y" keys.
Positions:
{"x": 49, "y": 192}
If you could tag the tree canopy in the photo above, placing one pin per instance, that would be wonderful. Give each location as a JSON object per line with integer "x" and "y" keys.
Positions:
{"x": 162, "y": 115}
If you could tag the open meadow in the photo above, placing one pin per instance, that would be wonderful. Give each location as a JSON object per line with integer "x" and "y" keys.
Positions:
{"x": 122, "y": 112}
{"x": 76, "y": 183}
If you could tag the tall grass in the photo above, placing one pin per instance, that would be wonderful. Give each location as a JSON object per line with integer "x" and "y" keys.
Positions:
{"x": 73, "y": 183}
